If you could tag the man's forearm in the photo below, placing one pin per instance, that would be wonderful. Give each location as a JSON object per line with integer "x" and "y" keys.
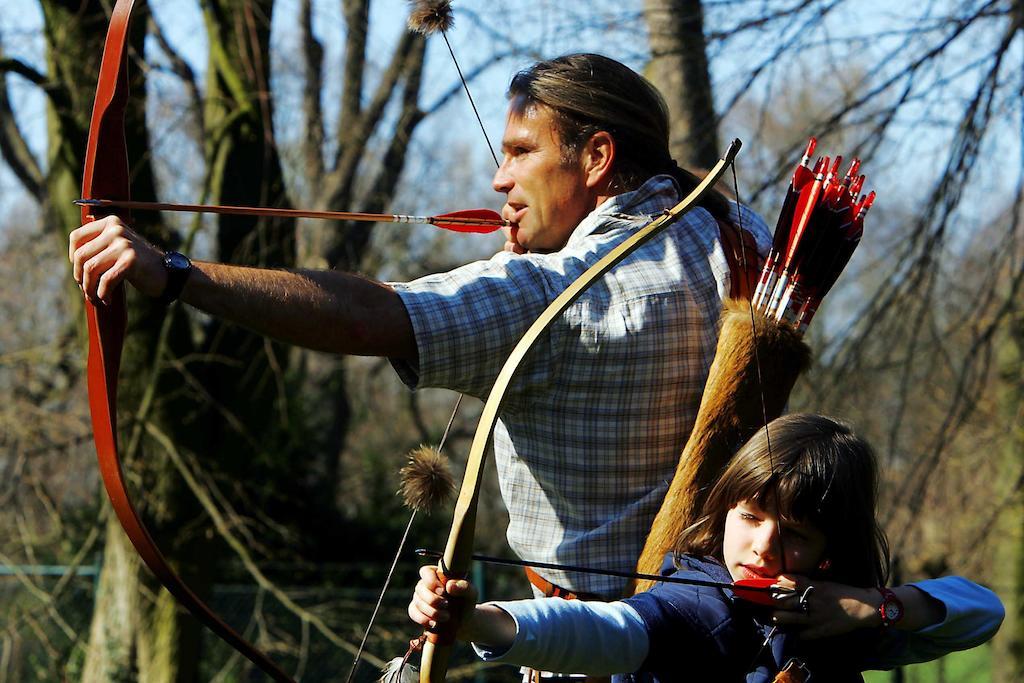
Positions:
{"x": 322, "y": 310}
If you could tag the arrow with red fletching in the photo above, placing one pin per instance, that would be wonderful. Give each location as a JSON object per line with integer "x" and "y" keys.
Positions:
{"x": 820, "y": 226}
{"x": 761, "y": 590}
{"x": 801, "y": 177}
{"x": 466, "y": 220}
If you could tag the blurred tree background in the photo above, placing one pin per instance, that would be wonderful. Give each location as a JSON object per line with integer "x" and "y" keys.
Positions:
{"x": 335, "y": 105}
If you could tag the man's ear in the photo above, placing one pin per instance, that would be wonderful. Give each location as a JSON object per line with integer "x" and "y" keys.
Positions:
{"x": 598, "y": 158}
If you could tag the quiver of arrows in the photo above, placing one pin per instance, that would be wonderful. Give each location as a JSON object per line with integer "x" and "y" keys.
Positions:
{"x": 819, "y": 227}
{"x": 729, "y": 414}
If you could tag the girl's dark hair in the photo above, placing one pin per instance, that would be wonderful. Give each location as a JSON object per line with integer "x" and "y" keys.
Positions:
{"x": 589, "y": 93}
{"x": 824, "y": 474}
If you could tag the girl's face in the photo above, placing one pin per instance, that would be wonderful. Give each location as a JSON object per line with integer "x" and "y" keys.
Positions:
{"x": 751, "y": 547}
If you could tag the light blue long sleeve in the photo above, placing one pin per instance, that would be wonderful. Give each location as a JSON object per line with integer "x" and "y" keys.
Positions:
{"x": 596, "y": 638}
{"x": 607, "y": 638}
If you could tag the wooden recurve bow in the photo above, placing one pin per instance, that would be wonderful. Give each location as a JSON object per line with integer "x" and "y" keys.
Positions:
{"x": 107, "y": 176}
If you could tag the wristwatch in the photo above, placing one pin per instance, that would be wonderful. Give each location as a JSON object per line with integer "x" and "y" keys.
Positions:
{"x": 891, "y": 608}
{"x": 178, "y": 269}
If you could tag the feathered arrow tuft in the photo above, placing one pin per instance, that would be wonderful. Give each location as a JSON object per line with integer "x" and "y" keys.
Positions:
{"x": 427, "y": 481}
{"x": 399, "y": 670}
{"x": 431, "y": 16}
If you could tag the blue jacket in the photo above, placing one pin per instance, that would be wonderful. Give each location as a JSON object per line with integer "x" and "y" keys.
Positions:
{"x": 730, "y": 637}
{"x": 682, "y": 632}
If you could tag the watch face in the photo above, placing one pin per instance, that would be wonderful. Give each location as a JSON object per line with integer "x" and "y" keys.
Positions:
{"x": 176, "y": 261}
{"x": 892, "y": 611}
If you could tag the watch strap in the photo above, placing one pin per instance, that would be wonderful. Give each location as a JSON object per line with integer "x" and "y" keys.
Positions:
{"x": 178, "y": 267}
{"x": 891, "y": 608}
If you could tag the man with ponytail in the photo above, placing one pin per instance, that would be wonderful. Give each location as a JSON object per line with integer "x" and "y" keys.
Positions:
{"x": 592, "y": 427}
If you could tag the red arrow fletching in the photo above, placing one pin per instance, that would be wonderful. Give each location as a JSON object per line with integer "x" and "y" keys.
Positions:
{"x": 760, "y": 596}
{"x": 470, "y": 220}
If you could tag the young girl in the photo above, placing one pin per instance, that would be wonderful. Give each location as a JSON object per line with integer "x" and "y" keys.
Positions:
{"x": 803, "y": 512}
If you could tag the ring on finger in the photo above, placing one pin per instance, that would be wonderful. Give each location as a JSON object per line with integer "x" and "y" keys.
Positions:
{"x": 804, "y": 601}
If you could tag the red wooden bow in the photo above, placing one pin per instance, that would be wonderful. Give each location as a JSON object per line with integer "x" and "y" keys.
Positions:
{"x": 106, "y": 176}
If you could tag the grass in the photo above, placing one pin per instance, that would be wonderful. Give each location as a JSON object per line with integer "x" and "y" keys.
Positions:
{"x": 970, "y": 666}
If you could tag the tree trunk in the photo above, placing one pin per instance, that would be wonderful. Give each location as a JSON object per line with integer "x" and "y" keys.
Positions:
{"x": 75, "y": 34}
{"x": 116, "y": 619}
{"x": 1008, "y": 646}
{"x": 679, "y": 68}
{"x": 244, "y": 169}
{"x": 130, "y": 636}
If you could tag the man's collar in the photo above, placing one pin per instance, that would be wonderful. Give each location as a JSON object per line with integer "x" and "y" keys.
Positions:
{"x": 637, "y": 207}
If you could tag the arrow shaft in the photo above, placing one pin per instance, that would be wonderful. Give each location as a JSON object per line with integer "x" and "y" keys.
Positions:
{"x": 287, "y": 213}
{"x": 489, "y": 559}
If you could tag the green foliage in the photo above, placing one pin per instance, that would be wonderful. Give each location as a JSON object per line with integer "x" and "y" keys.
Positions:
{"x": 970, "y": 666}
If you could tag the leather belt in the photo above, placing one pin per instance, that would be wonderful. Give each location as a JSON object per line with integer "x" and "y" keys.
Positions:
{"x": 550, "y": 590}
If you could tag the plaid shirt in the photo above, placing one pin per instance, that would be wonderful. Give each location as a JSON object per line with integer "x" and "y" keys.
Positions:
{"x": 594, "y": 421}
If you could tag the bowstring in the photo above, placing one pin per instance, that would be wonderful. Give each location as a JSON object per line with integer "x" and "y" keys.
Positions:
{"x": 497, "y": 164}
{"x": 757, "y": 365}
{"x": 472, "y": 103}
{"x": 455, "y": 409}
{"x": 394, "y": 562}
{"x": 764, "y": 409}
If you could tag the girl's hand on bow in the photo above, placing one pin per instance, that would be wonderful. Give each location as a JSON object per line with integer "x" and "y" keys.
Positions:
{"x": 431, "y": 600}
{"x": 831, "y": 608}
{"x": 435, "y": 603}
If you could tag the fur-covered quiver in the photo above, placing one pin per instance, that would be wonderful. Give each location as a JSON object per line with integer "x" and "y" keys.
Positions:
{"x": 730, "y": 412}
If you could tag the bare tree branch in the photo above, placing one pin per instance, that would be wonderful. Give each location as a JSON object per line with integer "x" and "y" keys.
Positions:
{"x": 357, "y": 17}
{"x": 353, "y": 140}
{"x": 224, "y": 528}
{"x": 471, "y": 75}
{"x": 13, "y": 147}
{"x": 409, "y": 116}
{"x": 16, "y": 66}
{"x": 181, "y": 69}
{"x": 383, "y": 185}
{"x": 313, "y": 63}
